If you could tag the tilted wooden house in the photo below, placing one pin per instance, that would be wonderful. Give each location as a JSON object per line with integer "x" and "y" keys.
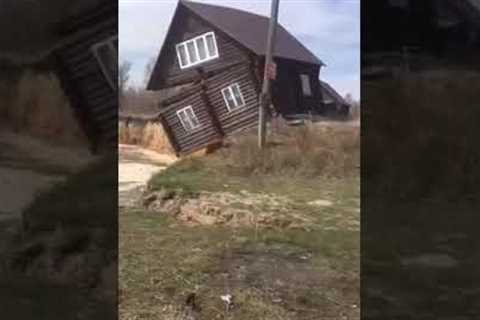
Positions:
{"x": 86, "y": 62}
{"x": 220, "y": 52}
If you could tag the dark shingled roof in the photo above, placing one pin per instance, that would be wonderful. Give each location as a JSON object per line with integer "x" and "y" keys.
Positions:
{"x": 251, "y": 31}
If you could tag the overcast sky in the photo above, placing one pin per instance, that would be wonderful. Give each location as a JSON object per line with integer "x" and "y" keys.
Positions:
{"x": 329, "y": 28}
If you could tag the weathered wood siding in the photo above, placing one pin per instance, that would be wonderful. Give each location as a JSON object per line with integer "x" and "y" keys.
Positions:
{"x": 186, "y": 26}
{"x": 287, "y": 94}
{"x": 91, "y": 95}
{"x": 189, "y": 141}
{"x": 210, "y": 108}
{"x": 243, "y": 117}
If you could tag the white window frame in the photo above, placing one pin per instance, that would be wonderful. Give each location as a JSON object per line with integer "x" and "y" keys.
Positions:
{"x": 306, "y": 85}
{"x": 229, "y": 90}
{"x": 191, "y": 126}
{"x": 110, "y": 43}
{"x": 208, "y": 57}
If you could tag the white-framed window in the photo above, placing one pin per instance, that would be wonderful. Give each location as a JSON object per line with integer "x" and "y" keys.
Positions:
{"x": 106, "y": 54}
{"x": 197, "y": 50}
{"x": 188, "y": 118}
{"x": 306, "y": 88}
{"x": 233, "y": 97}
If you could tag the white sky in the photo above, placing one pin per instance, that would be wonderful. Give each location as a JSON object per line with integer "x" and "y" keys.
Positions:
{"x": 329, "y": 28}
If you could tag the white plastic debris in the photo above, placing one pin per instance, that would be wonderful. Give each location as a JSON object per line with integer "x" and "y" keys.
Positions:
{"x": 227, "y": 298}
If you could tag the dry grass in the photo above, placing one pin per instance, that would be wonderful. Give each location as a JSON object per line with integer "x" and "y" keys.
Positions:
{"x": 39, "y": 107}
{"x": 150, "y": 136}
{"x": 430, "y": 123}
{"x": 310, "y": 150}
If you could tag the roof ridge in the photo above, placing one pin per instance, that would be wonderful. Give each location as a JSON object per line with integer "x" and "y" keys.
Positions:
{"x": 223, "y": 7}
{"x": 197, "y": 7}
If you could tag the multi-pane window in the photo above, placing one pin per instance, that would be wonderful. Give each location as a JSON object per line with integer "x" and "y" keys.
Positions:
{"x": 188, "y": 118}
{"x": 107, "y": 57}
{"x": 233, "y": 97}
{"x": 306, "y": 89}
{"x": 197, "y": 50}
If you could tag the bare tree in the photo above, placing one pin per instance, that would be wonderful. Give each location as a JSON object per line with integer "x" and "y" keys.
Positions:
{"x": 148, "y": 70}
{"x": 354, "y": 111}
{"x": 349, "y": 99}
{"x": 123, "y": 77}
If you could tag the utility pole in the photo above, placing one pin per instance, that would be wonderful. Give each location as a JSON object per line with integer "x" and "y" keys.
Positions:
{"x": 265, "y": 96}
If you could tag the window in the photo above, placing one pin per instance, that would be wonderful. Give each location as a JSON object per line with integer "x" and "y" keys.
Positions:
{"x": 106, "y": 54}
{"x": 306, "y": 89}
{"x": 197, "y": 50}
{"x": 233, "y": 97}
{"x": 188, "y": 118}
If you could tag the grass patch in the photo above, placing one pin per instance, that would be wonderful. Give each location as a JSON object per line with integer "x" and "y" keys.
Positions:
{"x": 291, "y": 273}
{"x": 162, "y": 262}
{"x": 305, "y": 163}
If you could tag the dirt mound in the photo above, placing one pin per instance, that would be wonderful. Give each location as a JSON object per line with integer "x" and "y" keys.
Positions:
{"x": 38, "y": 106}
{"x": 223, "y": 208}
{"x": 148, "y": 134}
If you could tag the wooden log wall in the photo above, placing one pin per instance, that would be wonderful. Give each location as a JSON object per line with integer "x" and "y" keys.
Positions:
{"x": 243, "y": 117}
{"x": 188, "y": 141}
{"x": 93, "y": 97}
{"x": 186, "y": 26}
{"x": 210, "y": 108}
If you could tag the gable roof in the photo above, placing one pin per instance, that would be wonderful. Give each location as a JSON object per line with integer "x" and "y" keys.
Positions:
{"x": 251, "y": 30}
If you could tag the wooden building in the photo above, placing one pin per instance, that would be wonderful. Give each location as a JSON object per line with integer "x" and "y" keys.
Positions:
{"x": 218, "y": 53}
{"x": 333, "y": 103}
{"x": 86, "y": 62}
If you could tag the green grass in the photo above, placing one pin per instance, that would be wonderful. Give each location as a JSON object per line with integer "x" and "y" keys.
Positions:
{"x": 162, "y": 261}
{"x": 301, "y": 273}
{"x": 196, "y": 175}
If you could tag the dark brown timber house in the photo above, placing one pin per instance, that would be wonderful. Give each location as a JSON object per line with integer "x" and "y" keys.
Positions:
{"x": 219, "y": 52}
{"x": 86, "y": 62}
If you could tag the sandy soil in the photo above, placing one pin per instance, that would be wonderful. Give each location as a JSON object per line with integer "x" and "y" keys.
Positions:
{"x": 136, "y": 166}
{"x": 29, "y": 166}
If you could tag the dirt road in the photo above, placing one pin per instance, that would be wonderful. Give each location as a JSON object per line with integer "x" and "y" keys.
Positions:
{"x": 28, "y": 166}
{"x": 135, "y": 167}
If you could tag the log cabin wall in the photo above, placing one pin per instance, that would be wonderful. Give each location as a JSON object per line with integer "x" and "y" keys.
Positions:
{"x": 185, "y": 26}
{"x": 243, "y": 117}
{"x": 209, "y": 106}
{"x": 92, "y": 97}
{"x": 287, "y": 94}
{"x": 188, "y": 141}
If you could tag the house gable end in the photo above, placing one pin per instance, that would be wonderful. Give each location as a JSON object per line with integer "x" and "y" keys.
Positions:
{"x": 185, "y": 26}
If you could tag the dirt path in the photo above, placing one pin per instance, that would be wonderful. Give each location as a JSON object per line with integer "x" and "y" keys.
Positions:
{"x": 135, "y": 167}
{"x": 29, "y": 166}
